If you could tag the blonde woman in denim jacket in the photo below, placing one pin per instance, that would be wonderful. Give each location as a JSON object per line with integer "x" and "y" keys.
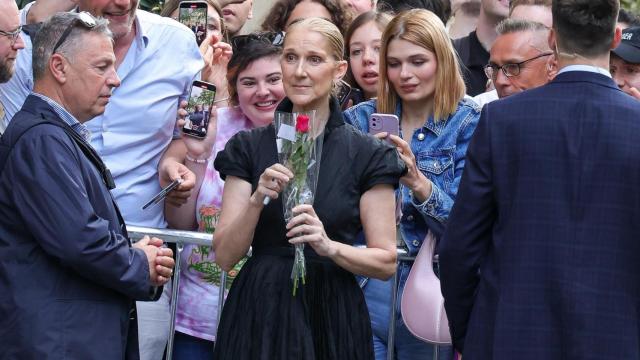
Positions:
{"x": 420, "y": 82}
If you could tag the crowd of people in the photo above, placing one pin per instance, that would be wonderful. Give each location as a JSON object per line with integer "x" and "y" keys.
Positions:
{"x": 517, "y": 151}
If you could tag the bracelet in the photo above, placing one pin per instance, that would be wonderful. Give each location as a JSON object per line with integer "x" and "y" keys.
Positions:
{"x": 199, "y": 161}
{"x": 221, "y": 100}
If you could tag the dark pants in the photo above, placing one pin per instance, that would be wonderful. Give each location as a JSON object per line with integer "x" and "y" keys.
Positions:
{"x": 188, "y": 347}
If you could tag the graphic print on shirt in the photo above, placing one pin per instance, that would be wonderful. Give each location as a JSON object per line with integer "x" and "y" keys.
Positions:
{"x": 202, "y": 258}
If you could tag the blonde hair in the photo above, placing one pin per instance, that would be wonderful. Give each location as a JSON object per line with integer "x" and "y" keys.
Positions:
{"x": 325, "y": 28}
{"x": 423, "y": 28}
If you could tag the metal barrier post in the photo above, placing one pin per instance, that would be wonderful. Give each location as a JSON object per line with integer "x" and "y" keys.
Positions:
{"x": 436, "y": 352}
{"x": 175, "y": 286}
{"x": 392, "y": 317}
{"x": 221, "y": 291}
{"x": 180, "y": 238}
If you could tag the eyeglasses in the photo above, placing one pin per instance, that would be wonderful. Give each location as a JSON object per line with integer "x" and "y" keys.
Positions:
{"x": 241, "y": 41}
{"x": 12, "y": 35}
{"x": 509, "y": 70}
{"x": 83, "y": 18}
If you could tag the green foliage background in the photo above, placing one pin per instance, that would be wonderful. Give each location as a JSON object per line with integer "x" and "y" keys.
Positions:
{"x": 633, "y": 5}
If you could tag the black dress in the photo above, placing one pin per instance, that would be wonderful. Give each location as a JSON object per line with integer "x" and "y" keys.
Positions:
{"x": 327, "y": 318}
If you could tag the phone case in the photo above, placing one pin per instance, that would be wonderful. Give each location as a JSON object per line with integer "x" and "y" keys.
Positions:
{"x": 388, "y": 123}
{"x": 344, "y": 91}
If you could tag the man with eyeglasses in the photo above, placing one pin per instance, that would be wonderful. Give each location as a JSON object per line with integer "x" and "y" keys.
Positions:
{"x": 520, "y": 59}
{"x": 68, "y": 272}
{"x": 156, "y": 60}
{"x": 10, "y": 43}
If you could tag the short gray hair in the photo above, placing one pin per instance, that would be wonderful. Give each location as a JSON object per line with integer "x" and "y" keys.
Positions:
{"x": 51, "y": 31}
{"x": 509, "y": 26}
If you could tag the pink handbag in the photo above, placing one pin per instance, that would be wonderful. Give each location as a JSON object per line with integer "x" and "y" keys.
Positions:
{"x": 422, "y": 304}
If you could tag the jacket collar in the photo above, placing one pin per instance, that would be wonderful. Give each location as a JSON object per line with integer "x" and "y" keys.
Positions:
{"x": 585, "y": 76}
{"x": 37, "y": 106}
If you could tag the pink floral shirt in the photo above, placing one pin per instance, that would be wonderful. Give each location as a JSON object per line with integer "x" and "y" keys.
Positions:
{"x": 200, "y": 278}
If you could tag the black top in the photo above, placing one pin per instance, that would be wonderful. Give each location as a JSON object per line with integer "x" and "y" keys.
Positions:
{"x": 473, "y": 57}
{"x": 351, "y": 164}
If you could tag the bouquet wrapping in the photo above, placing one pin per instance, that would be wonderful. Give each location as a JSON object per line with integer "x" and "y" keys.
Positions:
{"x": 299, "y": 147}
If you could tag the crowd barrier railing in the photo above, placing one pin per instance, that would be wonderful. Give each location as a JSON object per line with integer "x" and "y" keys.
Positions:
{"x": 182, "y": 238}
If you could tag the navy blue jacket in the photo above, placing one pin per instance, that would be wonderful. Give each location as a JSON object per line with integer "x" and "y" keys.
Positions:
{"x": 68, "y": 276}
{"x": 541, "y": 255}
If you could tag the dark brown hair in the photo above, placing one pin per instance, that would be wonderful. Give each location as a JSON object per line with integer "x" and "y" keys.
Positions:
{"x": 240, "y": 60}
{"x": 584, "y": 27}
{"x": 382, "y": 19}
{"x": 280, "y": 11}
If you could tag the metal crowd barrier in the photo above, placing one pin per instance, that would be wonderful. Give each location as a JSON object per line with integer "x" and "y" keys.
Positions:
{"x": 182, "y": 238}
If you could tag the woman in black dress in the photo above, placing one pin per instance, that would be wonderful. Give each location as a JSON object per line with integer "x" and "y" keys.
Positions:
{"x": 327, "y": 318}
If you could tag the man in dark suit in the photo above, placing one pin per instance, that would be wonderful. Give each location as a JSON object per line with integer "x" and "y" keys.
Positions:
{"x": 68, "y": 273}
{"x": 197, "y": 116}
{"x": 541, "y": 255}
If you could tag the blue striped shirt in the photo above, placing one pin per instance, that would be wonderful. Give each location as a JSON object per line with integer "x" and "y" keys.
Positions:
{"x": 67, "y": 117}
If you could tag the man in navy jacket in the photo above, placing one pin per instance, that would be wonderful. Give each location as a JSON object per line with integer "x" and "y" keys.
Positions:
{"x": 541, "y": 255}
{"x": 68, "y": 273}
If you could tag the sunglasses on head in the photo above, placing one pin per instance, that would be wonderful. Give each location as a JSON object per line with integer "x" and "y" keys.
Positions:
{"x": 83, "y": 18}
{"x": 241, "y": 41}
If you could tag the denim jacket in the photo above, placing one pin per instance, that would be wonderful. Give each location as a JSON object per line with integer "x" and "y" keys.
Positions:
{"x": 440, "y": 155}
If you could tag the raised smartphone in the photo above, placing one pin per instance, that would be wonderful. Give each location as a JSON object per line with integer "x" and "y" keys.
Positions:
{"x": 388, "y": 123}
{"x": 343, "y": 94}
{"x": 199, "y": 109}
{"x": 193, "y": 14}
{"x": 356, "y": 96}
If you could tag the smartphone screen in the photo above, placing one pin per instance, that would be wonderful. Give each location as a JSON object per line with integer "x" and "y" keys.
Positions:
{"x": 199, "y": 109}
{"x": 193, "y": 14}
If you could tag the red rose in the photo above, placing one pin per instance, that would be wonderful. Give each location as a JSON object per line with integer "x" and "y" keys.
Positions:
{"x": 302, "y": 123}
